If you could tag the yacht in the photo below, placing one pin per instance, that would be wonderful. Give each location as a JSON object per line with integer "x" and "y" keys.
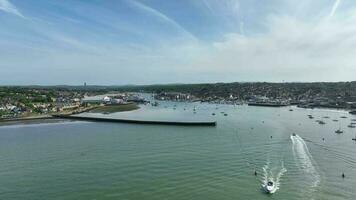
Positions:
{"x": 269, "y": 187}
{"x": 351, "y": 126}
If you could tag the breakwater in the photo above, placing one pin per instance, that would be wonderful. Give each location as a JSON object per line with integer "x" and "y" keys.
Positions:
{"x": 177, "y": 123}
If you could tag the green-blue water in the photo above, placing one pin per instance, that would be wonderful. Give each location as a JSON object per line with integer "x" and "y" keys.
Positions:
{"x": 88, "y": 160}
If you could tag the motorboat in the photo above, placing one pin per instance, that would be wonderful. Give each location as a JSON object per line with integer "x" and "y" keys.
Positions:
{"x": 351, "y": 126}
{"x": 294, "y": 134}
{"x": 339, "y": 131}
{"x": 269, "y": 187}
{"x": 321, "y": 122}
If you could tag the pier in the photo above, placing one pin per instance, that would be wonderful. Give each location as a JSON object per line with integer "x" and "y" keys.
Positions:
{"x": 177, "y": 123}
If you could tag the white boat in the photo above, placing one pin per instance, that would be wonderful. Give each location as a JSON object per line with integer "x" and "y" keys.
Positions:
{"x": 269, "y": 187}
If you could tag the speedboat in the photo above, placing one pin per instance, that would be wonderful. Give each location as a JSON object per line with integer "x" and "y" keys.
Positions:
{"x": 321, "y": 122}
{"x": 269, "y": 187}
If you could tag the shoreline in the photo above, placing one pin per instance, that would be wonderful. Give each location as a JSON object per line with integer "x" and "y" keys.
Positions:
{"x": 39, "y": 117}
{"x": 32, "y": 121}
{"x": 59, "y": 118}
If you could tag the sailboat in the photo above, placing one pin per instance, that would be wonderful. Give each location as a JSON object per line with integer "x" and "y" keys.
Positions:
{"x": 339, "y": 131}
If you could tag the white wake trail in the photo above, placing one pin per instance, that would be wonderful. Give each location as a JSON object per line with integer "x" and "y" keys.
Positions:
{"x": 268, "y": 175}
{"x": 304, "y": 160}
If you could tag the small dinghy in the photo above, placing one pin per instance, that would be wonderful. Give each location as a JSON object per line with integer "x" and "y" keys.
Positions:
{"x": 339, "y": 131}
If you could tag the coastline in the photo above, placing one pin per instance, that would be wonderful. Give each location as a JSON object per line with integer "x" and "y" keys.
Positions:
{"x": 32, "y": 121}
{"x": 55, "y": 118}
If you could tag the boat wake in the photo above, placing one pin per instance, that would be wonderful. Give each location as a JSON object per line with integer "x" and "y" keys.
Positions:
{"x": 304, "y": 160}
{"x": 270, "y": 175}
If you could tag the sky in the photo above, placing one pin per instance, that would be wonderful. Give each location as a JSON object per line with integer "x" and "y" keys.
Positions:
{"x": 120, "y": 42}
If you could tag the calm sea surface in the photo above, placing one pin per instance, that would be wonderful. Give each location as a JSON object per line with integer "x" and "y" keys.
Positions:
{"x": 88, "y": 160}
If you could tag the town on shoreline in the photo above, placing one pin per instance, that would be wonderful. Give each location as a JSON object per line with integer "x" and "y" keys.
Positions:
{"x": 40, "y": 101}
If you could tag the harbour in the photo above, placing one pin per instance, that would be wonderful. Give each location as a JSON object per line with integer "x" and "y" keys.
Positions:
{"x": 135, "y": 161}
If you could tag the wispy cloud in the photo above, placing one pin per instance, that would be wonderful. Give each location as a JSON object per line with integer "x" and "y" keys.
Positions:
{"x": 139, "y": 41}
{"x": 333, "y": 10}
{"x": 8, "y": 7}
{"x": 162, "y": 16}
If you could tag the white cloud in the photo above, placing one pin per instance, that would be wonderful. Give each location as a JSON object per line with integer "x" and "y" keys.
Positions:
{"x": 291, "y": 48}
{"x": 6, "y": 6}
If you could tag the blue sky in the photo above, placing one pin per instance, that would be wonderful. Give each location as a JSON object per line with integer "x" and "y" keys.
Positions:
{"x": 116, "y": 42}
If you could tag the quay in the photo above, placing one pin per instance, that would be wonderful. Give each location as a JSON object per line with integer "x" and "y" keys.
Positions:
{"x": 177, "y": 123}
{"x": 268, "y": 104}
